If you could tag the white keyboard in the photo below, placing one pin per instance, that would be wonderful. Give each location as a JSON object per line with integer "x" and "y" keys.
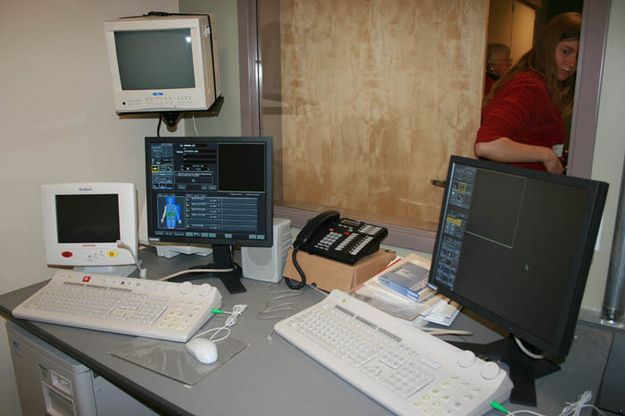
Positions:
{"x": 401, "y": 367}
{"x": 154, "y": 309}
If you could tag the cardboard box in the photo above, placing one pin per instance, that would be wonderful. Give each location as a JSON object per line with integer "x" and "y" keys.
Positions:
{"x": 328, "y": 274}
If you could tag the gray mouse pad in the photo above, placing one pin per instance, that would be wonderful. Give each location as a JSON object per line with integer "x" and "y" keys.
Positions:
{"x": 172, "y": 360}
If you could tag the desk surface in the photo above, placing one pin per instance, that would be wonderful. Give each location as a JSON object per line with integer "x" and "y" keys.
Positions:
{"x": 271, "y": 376}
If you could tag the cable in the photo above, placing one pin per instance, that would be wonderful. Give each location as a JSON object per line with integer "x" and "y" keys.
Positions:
{"x": 237, "y": 310}
{"x": 279, "y": 310}
{"x": 442, "y": 331}
{"x": 526, "y": 351}
{"x": 571, "y": 409}
{"x": 291, "y": 283}
{"x": 158, "y": 127}
{"x": 180, "y": 273}
{"x": 195, "y": 126}
{"x": 143, "y": 273}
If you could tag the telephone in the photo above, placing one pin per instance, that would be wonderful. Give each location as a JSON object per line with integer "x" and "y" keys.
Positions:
{"x": 340, "y": 239}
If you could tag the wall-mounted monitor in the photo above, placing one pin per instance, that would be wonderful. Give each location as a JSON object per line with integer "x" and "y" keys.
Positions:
{"x": 515, "y": 246}
{"x": 83, "y": 222}
{"x": 163, "y": 63}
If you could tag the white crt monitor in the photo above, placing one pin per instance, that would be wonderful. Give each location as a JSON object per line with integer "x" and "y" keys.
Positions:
{"x": 82, "y": 223}
{"x": 163, "y": 63}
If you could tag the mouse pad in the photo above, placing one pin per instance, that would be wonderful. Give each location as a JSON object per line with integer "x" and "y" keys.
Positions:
{"x": 172, "y": 360}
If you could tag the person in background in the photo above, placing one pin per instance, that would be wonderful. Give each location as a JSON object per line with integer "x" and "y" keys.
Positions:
{"x": 523, "y": 116}
{"x": 498, "y": 61}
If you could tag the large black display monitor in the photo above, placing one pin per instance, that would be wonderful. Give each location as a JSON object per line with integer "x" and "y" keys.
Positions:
{"x": 210, "y": 190}
{"x": 515, "y": 245}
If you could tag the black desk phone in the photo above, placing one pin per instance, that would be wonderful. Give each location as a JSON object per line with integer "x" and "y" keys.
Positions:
{"x": 340, "y": 239}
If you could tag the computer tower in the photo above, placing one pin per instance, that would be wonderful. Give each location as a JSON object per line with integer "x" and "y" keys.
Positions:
{"x": 49, "y": 382}
{"x": 267, "y": 264}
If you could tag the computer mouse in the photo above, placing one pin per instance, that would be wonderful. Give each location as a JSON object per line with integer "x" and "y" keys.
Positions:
{"x": 203, "y": 350}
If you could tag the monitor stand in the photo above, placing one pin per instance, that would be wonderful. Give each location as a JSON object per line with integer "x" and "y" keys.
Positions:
{"x": 169, "y": 251}
{"x": 523, "y": 370}
{"x": 222, "y": 259}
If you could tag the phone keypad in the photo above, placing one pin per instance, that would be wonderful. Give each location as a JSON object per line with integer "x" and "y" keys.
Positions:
{"x": 369, "y": 229}
{"x": 326, "y": 242}
{"x": 360, "y": 245}
{"x": 345, "y": 242}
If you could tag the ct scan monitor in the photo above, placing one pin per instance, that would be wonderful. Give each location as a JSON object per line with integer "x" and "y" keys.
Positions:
{"x": 211, "y": 191}
{"x": 515, "y": 245}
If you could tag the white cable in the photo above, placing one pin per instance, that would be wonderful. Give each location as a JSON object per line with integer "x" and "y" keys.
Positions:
{"x": 527, "y": 352}
{"x": 171, "y": 276}
{"x": 216, "y": 331}
{"x": 575, "y": 408}
{"x": 237, "y": 310}
{"x": 571, "y": 409}
{"x": 195, "y": 125}
{"x": 143, "y": 273}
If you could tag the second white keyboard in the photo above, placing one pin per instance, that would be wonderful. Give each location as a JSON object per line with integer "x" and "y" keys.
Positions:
{"x": 403, "y": 368}
{"x": 154, "y": 309}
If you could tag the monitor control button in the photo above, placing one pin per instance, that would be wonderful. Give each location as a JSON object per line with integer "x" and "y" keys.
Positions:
{"x": 466, "y": 359}
{"x": 186, "y": 287}
{"x": 489, "y": 370}
{"x": 205, "y": 289}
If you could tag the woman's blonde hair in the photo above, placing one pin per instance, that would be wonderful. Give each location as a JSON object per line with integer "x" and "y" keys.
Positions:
{"x": 541, "y": 59}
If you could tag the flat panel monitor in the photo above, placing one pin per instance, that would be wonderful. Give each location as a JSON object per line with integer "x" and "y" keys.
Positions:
{"x": 211, "y": 191}
{"x": 85, "y": 226}
{"x": 515, "y": 246}
{"x": 163, "y": 63}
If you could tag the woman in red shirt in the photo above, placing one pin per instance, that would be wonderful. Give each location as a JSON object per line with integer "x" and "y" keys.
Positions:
{"x": 523, "y": 116}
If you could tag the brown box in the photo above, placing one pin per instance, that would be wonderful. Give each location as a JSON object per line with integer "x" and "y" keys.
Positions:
{"x": 328, "y": 274}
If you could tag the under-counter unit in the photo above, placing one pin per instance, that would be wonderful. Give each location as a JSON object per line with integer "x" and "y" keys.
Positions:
{"x": 50, "y": 382}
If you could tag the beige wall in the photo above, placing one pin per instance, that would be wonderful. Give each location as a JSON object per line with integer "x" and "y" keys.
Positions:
{"x": 609, "y": 149}
{"x": 58, "y": 125}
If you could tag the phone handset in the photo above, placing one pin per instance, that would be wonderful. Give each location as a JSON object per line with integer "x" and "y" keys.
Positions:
{"x": 303, "y": 238}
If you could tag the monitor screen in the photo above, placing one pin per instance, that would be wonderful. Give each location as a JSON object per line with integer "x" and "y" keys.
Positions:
{"x": 210, "y": 190}
{"x": 87, "y": 218}
{"x": 515, "y": 245}
{"x": 155, "y": 59}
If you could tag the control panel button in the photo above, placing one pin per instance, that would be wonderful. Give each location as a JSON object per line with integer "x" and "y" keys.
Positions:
{"x": 466, "y": 359}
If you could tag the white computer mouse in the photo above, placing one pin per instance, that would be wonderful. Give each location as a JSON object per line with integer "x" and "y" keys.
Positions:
{"x": 203, "y": 350}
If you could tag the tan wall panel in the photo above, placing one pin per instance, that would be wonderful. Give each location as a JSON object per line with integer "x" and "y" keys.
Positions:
{"x": 376, "y": 95}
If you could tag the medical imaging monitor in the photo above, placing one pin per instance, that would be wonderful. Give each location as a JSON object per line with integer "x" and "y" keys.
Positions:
{"x": 213, "y": 191}
{"x": 515, "y": 246}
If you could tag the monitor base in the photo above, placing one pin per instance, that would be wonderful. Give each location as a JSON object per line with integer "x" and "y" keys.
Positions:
{"x": 523, "y": 370}
{"x": 231, "y": 280}
{"x": 222, "y": 259}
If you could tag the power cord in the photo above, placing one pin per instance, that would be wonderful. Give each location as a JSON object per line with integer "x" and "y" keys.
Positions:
{"x": 278, "y": 310}
{"x": 180, "y": 273}
{"x": 571, "y": 409}
{"x": 526, "y": 350}
{"x": 143, "y": 273}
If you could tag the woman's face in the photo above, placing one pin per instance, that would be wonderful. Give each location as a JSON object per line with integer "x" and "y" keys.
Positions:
{"x": 566, "y": 58}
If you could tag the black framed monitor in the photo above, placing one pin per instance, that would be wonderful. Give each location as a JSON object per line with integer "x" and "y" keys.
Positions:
{"x": 210, "y": 190}
{"x": 515, "y": 246}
